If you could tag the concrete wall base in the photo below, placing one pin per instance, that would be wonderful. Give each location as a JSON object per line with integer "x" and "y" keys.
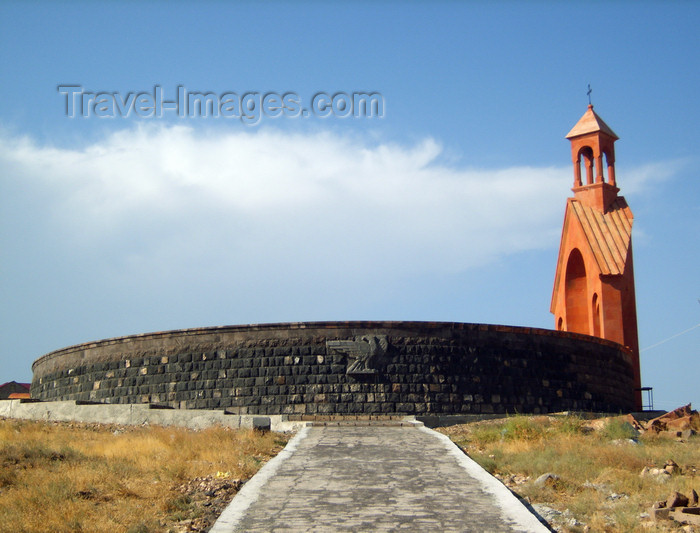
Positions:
{"x": 137, "y": 415}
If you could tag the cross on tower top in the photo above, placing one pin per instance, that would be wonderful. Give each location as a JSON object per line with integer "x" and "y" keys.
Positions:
{"x": 589, "y": 94}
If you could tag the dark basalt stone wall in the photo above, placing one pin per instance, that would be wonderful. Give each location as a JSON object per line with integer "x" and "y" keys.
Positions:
{"x": 302, "y": 368}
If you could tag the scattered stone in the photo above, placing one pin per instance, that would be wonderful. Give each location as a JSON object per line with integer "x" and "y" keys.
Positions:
{"x": 659, "y": 474}
{"x": 211, "y": 495}
{"x": 546, "y": 512}
{"x": 676, "y": 499}
{"x": 683, "y": 516}
{"x": 677, "y": 507}
{"x": 675, "y": 421}
{"x": 519, "y": 479}
{"x": 634, "y": 423}
{"x": 572, "y": 522}
{"x": 659, "y": 514}
{"x": 547, "y": 479}
{"x": 671, "y": 467}
{"x": 600, "y": 487}
{"x": 513, "y": 480}
{"x": 622, "y": 442}
{"x": 687, "y": 433}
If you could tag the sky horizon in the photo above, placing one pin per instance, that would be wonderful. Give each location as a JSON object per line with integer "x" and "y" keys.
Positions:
{"x": 118, "y": 219}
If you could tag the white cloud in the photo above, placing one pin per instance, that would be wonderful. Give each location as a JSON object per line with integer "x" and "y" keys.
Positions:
{"x": 161, "y": 227}
{"x": 316, "y": 201}
{"x": 640, "y": 178}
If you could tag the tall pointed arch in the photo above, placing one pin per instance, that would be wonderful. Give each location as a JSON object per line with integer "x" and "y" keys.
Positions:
{"x": 576, "y": 294}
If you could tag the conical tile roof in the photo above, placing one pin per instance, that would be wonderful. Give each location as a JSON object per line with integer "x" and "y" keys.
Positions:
{"x": 590, "y": 122}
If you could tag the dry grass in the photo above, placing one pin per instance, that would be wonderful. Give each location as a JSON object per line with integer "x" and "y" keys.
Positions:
{"x": 599, "y": 470}
{"x": 65, "y": 477}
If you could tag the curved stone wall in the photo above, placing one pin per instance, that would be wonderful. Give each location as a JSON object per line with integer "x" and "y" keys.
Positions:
{"x": 346, "y": 368}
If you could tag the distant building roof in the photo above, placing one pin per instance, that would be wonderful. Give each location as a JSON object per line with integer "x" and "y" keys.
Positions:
{"x": 12, "y": 387}
{"x": 25, "y": 385}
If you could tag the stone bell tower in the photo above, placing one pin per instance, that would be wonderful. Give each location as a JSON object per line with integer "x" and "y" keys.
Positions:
{"x": 594, "y": 282}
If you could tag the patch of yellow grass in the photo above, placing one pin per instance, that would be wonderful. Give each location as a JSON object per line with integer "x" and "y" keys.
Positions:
{"x": 599, "y": 473}
{"x": 58, "y": 477}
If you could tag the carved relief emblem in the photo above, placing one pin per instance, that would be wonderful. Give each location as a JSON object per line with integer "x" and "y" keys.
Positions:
{"x": 364, "y": 352}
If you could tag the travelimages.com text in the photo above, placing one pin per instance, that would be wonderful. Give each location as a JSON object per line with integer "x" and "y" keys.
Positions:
{"x": 250, "y": 107}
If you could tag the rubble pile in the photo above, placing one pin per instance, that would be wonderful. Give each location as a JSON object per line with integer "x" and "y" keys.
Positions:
{"x": 208, "y": 496}
{"x": 683, "y": 423}
{"x": 678, "y": 507}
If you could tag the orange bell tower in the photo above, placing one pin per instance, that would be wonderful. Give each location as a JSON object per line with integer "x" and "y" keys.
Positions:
{"x": 594, "y": 281}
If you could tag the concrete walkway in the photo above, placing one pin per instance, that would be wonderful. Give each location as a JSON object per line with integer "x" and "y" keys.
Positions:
{"x": 374, "y": 478}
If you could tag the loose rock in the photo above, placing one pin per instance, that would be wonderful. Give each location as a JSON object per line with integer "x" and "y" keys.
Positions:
{"x": 660, "y": 474}
{"x": 676, "y": 499}
{"x": 546, "y": 479}
{"x": 671, "y": 467}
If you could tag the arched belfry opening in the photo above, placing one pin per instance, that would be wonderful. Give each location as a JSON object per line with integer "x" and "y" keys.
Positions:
{"x": 585, "y": 159}
{"x": 609, "y": 167}
{"x": 590, "y": 168}
{"x": 594, "y": 281}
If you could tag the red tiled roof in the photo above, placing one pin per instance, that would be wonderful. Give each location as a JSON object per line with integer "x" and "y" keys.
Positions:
{"x": 609, "y": 235}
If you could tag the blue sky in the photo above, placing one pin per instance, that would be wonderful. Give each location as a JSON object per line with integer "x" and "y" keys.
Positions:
{"x": 449, "y": 207}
